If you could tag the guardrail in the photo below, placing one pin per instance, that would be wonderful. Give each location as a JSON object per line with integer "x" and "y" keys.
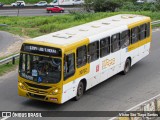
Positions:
{"x": 156, "y": 22}
{"x": 14, "y": 57}
{"x": 3, "y": 25}
{"x": 9, "y": 59}
{"x": 147, "y": 110}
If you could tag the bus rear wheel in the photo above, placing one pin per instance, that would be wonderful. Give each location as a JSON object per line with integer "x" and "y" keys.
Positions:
{"x": 127, "y": 66}
{"x": 80, "y": 91}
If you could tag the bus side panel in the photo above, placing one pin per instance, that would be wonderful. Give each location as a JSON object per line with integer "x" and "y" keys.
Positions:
{"x": 139, "y": 49}
{"x": 124, "y": 55}
{"x": 134, "y": 52}
{"x": 70, "y": 89}
{"x": 70, "y": 85}
{"x": 94, "y": 75}
{"x": 110, "y": 65}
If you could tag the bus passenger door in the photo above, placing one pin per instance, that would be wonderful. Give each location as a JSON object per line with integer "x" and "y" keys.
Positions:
{"x": 93, "y": 59}
{"x": 69, "y": 76}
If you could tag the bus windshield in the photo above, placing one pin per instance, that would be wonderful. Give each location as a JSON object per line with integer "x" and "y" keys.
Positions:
{"x": 39, "y": 68}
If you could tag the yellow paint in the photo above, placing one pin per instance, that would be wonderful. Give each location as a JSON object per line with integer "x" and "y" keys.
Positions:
{"x": 123, "y": 118}
{"x": 44, "y": 44}
{"x": 135, "y": 24}
{"x": 107, "y": 63}
{"x": 140, "y": 42}
{"x": 47, "y": 92}
{"x": 79, "y": 72}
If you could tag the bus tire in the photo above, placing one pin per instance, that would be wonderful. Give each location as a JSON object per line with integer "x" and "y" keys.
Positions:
{"x": 80, "y": 90}
{"x": 127, "y": 66}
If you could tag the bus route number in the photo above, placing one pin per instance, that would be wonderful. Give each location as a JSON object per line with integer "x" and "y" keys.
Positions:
{"x": 83, "y": 71}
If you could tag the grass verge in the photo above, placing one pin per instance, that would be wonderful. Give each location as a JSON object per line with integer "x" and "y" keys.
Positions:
{"x": 8, "y": 67}
{"x": 36, "y": 26}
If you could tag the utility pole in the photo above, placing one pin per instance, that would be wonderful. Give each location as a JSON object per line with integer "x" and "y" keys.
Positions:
{"x": 18, "y": 5}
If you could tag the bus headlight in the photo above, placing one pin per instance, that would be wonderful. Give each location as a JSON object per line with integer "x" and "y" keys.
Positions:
{"x": 55, "y": 91}
{"x": 21, "y": 86}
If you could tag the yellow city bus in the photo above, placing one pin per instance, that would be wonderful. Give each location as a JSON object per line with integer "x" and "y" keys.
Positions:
{"x": 63, "y": 65}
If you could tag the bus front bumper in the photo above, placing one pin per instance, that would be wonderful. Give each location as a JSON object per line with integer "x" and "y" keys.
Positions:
{"x": 47, "y": 98}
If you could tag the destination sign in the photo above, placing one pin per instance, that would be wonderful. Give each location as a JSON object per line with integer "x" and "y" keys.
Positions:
{"x": 41, "y": 50}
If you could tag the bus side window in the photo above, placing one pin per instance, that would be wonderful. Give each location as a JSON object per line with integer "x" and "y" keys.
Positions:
{"x": 69, "y": 65}
{"x": 134, "y": 35}
{"x": 125, "y": 38}
{"x": 115, "y": 42}
{"x": 147, "y": 29}
{"x": 93, "y": 51}
{"x": 142, "y": 31}
{"x": 104, "y": 46}
{"x": 81, "y": 56}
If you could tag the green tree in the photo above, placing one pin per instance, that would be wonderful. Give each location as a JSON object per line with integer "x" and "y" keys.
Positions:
{"x": 88, "y": 5}
{"x": 106, "y": 5}
{"x": 157, "y": 4}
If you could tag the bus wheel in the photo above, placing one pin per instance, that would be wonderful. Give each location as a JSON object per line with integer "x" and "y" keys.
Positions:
{"x": 80, "y": 91}
{"x": 127, "y": 66}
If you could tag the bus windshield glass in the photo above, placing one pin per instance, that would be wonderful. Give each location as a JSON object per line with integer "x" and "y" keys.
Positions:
{"x": 40, "y": 69}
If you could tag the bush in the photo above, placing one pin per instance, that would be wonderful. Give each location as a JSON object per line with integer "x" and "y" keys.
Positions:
{"x": 130, "y": 6}
{"x": 106, "y": 5}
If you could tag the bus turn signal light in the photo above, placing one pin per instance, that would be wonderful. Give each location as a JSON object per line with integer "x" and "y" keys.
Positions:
{"x": 22, "y": 86}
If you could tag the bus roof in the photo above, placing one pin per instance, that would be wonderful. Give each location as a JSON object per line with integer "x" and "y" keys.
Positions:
{"x": 78, "y": 33}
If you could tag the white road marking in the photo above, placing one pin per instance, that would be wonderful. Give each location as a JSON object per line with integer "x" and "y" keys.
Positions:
{"x": 5, "y": 118}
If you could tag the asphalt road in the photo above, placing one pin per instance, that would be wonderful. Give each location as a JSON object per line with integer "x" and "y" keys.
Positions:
{"x": 9, "y": 43}
{"x": 6, "y": 39}
{"x": 33, "y": 12}
{"x": 118, "y": 93}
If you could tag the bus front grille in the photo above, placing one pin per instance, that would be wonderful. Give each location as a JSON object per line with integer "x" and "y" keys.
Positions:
{"x": 37, "y": 86}
{"x": 37, "y": 91}
{"x": 37, "y": 96}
